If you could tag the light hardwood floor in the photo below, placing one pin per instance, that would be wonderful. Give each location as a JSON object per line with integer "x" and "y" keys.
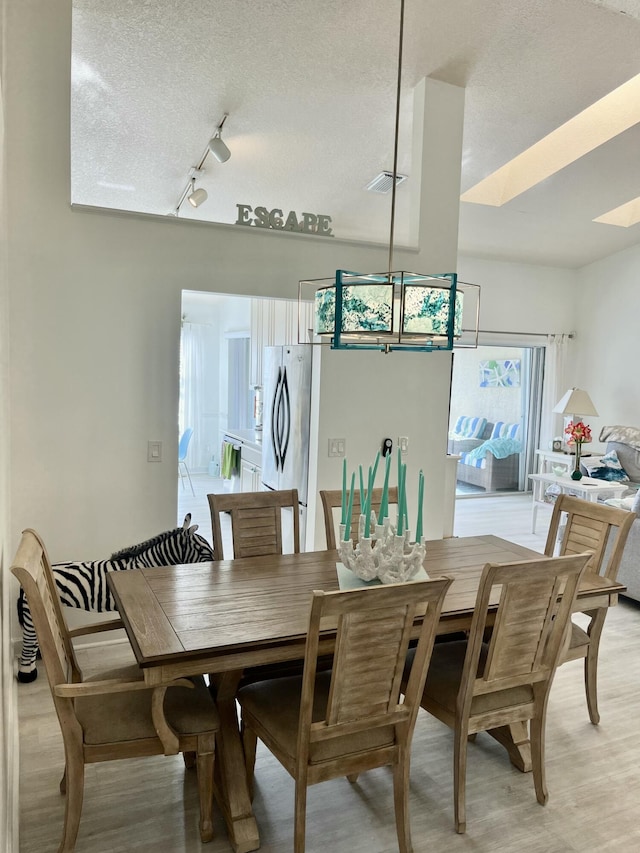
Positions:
{"x": 592, "y": 772}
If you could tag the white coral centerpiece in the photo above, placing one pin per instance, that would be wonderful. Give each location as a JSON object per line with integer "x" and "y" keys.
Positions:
{"x": 384, "y": 551}
{"x": 386, "y": 556}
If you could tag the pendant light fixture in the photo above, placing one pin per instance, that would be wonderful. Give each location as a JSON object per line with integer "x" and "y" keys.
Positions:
{"x": 391, "y": 310}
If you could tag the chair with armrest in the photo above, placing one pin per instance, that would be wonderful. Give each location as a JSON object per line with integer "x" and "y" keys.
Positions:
{"x": 115, "y": 715}
{"x": 256, "y": 522}
{"x": 344, "y": 721}
{"x": 475, "y": 685}
{"x": 602, "y": 530}
{"x": 332, "y": 500}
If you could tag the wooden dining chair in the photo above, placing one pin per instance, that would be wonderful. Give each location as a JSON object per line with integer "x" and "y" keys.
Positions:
{"x": 349, "y": 719}
{"x": 256, "y": 522}
{"x": 332, "y": 500}
{"x": 113, "y": 715}
{"x": 475, "y": 685}
{"x": 602, "y": 530}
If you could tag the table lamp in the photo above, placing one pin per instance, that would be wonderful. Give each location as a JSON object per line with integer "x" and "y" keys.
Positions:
{"x": 575, "y": 404}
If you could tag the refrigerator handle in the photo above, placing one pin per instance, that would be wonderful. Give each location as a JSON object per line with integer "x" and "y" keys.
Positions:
{"x": 286, "y": 406}
{"x": 274, "y": 415}
{"x": 280, "y": 426}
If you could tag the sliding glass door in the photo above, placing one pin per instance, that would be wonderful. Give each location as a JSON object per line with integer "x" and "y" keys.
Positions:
{"x": 494, "y": 423}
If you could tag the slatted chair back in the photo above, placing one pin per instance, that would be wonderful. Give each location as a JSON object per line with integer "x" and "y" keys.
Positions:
{"x": 535, "y": 602}
{"x": 374, "y": 627}
{"x": 594, "y": 527}
{"x": 33, "y": 571}
{"x": 256, "y": 522}
{"x": 332, "y": 500}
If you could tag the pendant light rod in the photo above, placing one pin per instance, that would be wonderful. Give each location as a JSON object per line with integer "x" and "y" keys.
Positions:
{"x": 395, "y": 140}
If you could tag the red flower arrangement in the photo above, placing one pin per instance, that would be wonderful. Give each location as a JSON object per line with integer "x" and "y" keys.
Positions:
{"x": 578, "y": 433}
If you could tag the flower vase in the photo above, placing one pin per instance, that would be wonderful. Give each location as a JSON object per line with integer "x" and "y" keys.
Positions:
{"x": 576, "y": 474}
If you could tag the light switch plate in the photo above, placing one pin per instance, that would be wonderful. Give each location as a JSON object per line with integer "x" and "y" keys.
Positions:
{"x": 154, "y": 451}
{"x": 337, "y": 446}
{"x": 403, "y": 443}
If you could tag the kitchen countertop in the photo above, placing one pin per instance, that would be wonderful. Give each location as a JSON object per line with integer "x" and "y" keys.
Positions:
{"x": 250, "y": 437}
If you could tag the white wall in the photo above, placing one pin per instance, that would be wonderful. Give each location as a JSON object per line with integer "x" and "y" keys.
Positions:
{"x": 522, "y": 297}
{"x": 8, "y": 707}
{"x": 607, "y": 352}
{"x": 407, "y": 394}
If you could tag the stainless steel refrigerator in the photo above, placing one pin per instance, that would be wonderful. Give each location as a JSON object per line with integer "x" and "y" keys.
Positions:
{"x": 286, "y": 422}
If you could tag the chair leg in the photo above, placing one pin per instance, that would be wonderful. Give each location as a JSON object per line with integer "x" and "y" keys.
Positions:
{"x": 189, "y": 759}
{"x": 401, "y": 801}
{"x": 459, "y": 779}
{"x": 74, "y": 785}
{"x": 591, "y": 665}
{"x": 300, "y": 816}
{"x": 249, "y": 743}
{"x": 591, "y": 683}
{"x": 205, "y": 765}
{"x": 186, "y": 468}
{"x": 352, "y": 777}
{"x": 537, "y": 727}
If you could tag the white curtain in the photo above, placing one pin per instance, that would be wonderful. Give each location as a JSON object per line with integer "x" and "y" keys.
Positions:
{"x": 193, "y": 370}
{"x": 554, "y": 387}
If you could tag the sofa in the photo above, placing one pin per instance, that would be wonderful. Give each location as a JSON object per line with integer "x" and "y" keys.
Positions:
{"x": 625, "y": 441}
{"x": 629, "y": 571}
{"x": 493, "y": 462}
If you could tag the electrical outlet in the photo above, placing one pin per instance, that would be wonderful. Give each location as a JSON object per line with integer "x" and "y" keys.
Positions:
{"x": 403, "y": 443}
{"x": 154, "y": 451}
{"x": 337, "y": 446}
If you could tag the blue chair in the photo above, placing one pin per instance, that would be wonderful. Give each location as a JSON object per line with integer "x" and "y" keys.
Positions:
{"x": 183, "y": 446}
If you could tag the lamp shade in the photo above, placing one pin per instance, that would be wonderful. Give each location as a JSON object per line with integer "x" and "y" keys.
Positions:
{"x": 219, "y": 149}
{"x": 575, "y": 402}
{"x": 197, "y": 197}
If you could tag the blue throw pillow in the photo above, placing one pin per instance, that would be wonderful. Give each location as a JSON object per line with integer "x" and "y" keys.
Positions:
{"x": 609, "y": 469}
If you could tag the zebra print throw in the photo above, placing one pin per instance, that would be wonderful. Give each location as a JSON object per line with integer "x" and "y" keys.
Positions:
{"x": 84, "y": 585}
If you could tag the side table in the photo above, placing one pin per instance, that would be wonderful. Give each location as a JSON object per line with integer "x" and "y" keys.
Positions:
{"x": 550, "y": 459}
{"x": 588, "y": 488}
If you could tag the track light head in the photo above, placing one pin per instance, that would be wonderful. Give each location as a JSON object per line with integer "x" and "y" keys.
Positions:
{"x": 219, "y": 149}
{"x": 197, "y": 196}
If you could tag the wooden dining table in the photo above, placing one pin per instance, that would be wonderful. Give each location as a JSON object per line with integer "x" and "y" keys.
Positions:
{"x": 223, "y": 617}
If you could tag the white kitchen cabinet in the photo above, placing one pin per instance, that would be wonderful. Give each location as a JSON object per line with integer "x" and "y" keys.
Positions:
{"x": 250, "y": 477}
{"x": 250, "y": 468}
{"x": 274, "y": 322}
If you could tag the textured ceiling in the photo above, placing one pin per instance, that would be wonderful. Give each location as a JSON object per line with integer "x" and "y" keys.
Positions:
{"x": 310, "y": 92}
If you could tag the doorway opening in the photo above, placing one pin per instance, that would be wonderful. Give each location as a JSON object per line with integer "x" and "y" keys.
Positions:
{"x": 494, "y": 417}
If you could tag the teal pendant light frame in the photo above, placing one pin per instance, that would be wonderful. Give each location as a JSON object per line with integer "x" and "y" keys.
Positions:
{"x": 388, "y": 312}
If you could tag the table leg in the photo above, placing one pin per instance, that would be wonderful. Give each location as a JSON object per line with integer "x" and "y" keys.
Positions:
{"x": 515, "y": 739}
{"x": 231, "y": 788}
